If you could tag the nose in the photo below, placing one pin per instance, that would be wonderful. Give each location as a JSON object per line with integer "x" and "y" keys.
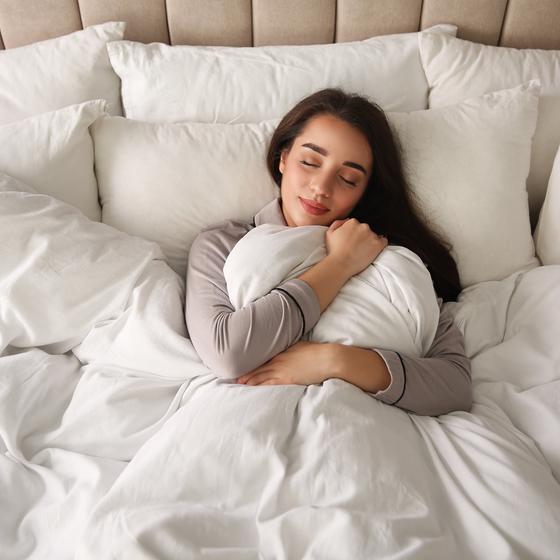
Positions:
{"x": 322, "y": 184}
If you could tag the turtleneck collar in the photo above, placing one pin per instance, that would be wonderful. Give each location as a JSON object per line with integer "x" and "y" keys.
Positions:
{"x": 270, "y": 214}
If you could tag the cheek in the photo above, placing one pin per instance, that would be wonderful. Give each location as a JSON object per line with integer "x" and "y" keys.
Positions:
{"x": 352, "y": 196}
{"x": 292, "y": 178}
{"x": 349, "y": 200}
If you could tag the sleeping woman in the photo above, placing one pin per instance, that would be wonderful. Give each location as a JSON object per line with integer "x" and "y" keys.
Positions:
{"x": 337, "y": 164}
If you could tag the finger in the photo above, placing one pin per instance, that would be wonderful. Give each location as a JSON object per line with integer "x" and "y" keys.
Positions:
{"x": 337, "y": 223}
{"x": 245, "y": 377}
{"x": 258, "y": 379}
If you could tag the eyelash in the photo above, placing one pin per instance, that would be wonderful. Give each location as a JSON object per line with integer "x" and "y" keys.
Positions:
{"x": 349, "y": 183}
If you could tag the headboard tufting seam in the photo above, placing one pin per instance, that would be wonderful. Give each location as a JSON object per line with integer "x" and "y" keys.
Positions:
{"x": 514, "y": 23}
{"x": 503, "y": 22}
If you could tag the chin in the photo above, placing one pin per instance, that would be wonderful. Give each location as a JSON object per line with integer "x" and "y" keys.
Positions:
{"x": 314, "y": 221}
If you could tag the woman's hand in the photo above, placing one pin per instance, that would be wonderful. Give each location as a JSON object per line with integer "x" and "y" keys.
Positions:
{"x": 353, "y": 244}
{"x": 304, "y": 363}
{"x": 310, "y": 363}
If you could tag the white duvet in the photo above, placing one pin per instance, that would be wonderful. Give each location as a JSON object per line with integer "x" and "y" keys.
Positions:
{"x": 391, "y": 304}
{"x": 118, "y": 443}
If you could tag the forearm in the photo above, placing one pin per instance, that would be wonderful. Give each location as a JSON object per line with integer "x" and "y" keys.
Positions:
{"x": 233, "y": 342}
{"x": 435, "y": 384}
{"x": 429, "y": 386}
{"x": 229, "y": 341}
{"x": 326, "y": 278}
{"x": 432, "y": 386}
{"x": 362, "y": 367}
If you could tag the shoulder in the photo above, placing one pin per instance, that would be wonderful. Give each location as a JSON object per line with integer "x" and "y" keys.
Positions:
{"x": 227, "y": 228}
{"x": 221, "y": 235}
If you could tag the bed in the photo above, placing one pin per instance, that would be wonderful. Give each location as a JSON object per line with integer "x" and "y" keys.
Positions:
{"x": 116, "y": 440}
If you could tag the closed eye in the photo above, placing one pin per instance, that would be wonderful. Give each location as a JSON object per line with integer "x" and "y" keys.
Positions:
{"x": 348, "y": 182}
{"x": 308, "y": 164}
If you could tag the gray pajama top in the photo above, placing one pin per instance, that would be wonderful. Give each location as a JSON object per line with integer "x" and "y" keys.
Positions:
{"x": 233, "y": 342}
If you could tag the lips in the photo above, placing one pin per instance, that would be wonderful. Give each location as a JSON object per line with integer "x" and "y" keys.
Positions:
{"x": 312, "y": 207}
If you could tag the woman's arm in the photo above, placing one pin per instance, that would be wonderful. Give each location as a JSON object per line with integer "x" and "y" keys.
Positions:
{"x": 229, "y": 341}
{"x": 232, "y": 342}
{"x": 432, "y": 385}
{"x": 361, "y": 367}
{"x": 351, "y": 247}
{"x": 326, "y": 278}
{"x": 436, "y": 384}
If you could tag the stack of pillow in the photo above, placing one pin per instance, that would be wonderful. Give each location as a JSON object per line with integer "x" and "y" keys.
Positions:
{"x": 458, "y": 69}
{"x": 50, "y": 93}
{"x": 191, "y": 150}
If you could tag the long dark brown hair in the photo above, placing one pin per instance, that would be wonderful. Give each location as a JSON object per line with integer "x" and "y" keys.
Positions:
{"x": 388, "y": 205}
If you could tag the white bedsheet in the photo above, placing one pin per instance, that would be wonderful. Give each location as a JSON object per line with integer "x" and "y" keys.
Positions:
{"x": 138, "y": 451}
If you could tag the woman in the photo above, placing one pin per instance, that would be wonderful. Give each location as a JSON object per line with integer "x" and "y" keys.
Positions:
{"x": 337, "y": 164}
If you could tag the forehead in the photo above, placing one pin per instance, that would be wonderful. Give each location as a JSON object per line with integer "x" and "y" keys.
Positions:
{"x": 340, "y": 139}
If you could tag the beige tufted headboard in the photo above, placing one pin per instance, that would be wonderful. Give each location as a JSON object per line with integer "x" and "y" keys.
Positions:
{"x": 514, "y": 23}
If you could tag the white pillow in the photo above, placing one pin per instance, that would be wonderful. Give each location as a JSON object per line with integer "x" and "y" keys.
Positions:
{"x": 166, "y": 182}
{"x": 458, "y": 69}
{"x": 161, "y": 83}
{"x": 58, "y": 72}
{"x": 547, "y": 234}
{"x": 53, "y": 153}
{"x": 467, "y": 165}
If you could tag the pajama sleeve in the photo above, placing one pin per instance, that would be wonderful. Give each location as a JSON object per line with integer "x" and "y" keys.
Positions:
{"x": 233, "y": 342}
{"x": 435, "y": 384}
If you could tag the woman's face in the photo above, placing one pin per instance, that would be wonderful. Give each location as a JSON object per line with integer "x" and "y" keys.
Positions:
{"x": 324, "y": 173}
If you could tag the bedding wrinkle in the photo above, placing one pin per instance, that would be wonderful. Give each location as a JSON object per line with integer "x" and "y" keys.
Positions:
{"x": 476, "y": 504}
{"x": 282, "y": 461}
{"x": 218, "y": 57}
{"x": 281, "y": 507}
{"x": 320, "y": 428}
{"x": 535, "y": 429}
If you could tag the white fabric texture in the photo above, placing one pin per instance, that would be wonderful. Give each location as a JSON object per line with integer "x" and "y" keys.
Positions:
{"x": 128, "y": 447}
{"x": 53, "y": 153}
{"x": 547, "y": 234}
{"x": 390, "y": 305}
{"x": 457, "y": 70}
{"x": 163, "y": 83}
{"x": 61, "y": 244}
{"x": 467, "y": 165}
{"x": 66, "y": 70}
{"x": 166, "y": 182}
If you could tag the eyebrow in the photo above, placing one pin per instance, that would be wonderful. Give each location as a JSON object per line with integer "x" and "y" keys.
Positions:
{"x": 324, "y": 152}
